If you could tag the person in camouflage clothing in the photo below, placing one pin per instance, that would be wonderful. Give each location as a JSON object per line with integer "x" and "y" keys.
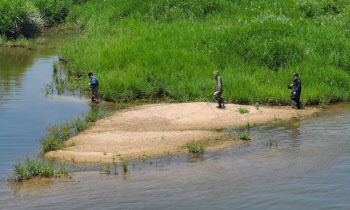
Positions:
{"x": 218, "y": 90}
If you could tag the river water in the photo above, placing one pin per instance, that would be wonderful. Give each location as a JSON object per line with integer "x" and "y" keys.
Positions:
{"x": 306, "y": 167}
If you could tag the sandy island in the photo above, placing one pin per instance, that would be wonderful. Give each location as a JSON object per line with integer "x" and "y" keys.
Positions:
{"x": 162, "y": 129}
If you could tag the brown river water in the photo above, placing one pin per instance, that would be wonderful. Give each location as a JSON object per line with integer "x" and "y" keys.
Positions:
{"x": 283, "y": 167}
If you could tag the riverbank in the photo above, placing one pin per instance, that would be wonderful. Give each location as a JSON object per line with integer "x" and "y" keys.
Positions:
{"x": 162, "y": 129}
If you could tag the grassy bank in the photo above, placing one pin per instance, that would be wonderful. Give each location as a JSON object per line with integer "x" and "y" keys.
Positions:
{"x": 170, "y": 48}
{"x": 31, "y": 168}
{"x": 26, "y": 18}
{"x": 58, "y": 134}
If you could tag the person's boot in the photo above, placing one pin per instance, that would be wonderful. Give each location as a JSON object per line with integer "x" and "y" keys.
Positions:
{"x": 219, "y": 107}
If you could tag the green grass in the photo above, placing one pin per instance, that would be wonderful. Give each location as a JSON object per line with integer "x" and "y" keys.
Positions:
{"x": 169, "y": 48}
{"x": 59, "y": 134}
{"x": 24, "y": 18}
{"x": 31, "y": 168}
{"x": 244, "y": 136}
{"x": 243, "y": 110}
{"x": 125, "y": 163}
{"x": 195, "y": 147}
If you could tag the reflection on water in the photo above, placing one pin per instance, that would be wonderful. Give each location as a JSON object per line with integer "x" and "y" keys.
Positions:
{"x": 308, "y": 169}
{"x": 24, "y": 110}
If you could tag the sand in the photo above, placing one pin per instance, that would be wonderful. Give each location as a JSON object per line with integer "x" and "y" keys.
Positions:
{"x": 162, "y": 129}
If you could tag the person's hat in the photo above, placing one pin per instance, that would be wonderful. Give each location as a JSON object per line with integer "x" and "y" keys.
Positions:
{"x": 295, "y": 74}
{"x": 216, "y": 72}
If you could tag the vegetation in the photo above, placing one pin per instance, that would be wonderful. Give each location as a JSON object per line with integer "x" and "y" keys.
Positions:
{"x": 125, "y": 162}
{"x": 31, "y": 168}
{"x": 195, "y": 147}
{"x": 147, "y": 48}
{"x": 58, "y": 134}
{"x": 244, "y": 136}
{"x": 26, "y": 18}
{"x": 243, "y": 110}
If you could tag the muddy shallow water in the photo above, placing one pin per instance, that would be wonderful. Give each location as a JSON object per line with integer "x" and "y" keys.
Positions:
{"x": 290, "y": 165}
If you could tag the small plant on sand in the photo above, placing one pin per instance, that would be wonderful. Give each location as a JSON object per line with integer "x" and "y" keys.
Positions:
{"x": 72, "y": 144}
{"x": 247, "y": 125}
{"x": 72, "y": 159}
{"x": 31, "y": 168}
{"x": 104, "y": 153}
{"x": 144, "y": 158}
{"x": 276, "y": 119}
{"x": 244, "y": 136}
{"x": 243, "y": 110}
{"x": 195, "y": 147}
{"x": 257, "y": 105}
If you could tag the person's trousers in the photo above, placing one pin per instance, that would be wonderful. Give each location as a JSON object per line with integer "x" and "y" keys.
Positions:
{"x": 219, "y": 99}
{"x": 94, "y": 95}
{"x": 297, "y": 101}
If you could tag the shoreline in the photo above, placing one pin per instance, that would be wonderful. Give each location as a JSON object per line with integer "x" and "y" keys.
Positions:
{"x": 155, "y": 130}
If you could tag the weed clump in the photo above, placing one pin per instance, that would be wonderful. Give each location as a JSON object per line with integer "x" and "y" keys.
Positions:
{"x": 243, "y": 110}
{"x": 244, "y": 136}
{"x": 195, "y": 147}
{"x": 31, "y": 168}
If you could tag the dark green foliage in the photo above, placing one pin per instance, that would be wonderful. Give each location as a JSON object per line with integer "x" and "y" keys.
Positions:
{"x": 169, "y": 48}
{"x": 31, "y": 168}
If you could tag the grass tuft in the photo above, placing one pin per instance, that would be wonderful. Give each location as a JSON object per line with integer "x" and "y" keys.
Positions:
{"x": 244, "y": 136}
{"x": 195, "y": 147}
{"x": 243, "y": 110}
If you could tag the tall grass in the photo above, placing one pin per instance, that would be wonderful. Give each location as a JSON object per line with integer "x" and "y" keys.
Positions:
{"x": 26, "y": 18}
{"x": 160, "y": 48}
{"x": 31, "y": 168}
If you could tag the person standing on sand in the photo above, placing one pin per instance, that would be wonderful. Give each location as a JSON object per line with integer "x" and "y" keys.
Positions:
{"x": 94, "y": 88}
{"x": 218, "y": 90}
{"x": 296, "y": 92}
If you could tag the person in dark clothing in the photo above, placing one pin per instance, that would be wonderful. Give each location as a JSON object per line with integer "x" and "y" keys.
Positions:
{"x": 94, "y": 88}
{"x": 218, "y": 90}
{"x": 296, "y": 92}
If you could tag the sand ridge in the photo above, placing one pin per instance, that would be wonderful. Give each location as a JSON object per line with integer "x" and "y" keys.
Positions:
{"x": 161, "y": 129}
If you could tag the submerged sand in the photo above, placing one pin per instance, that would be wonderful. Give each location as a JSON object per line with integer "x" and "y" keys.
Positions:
{"x": 162, "y": 129}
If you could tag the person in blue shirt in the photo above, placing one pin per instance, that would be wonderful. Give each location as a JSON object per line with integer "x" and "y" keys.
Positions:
{"x": 94, "y": 88}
